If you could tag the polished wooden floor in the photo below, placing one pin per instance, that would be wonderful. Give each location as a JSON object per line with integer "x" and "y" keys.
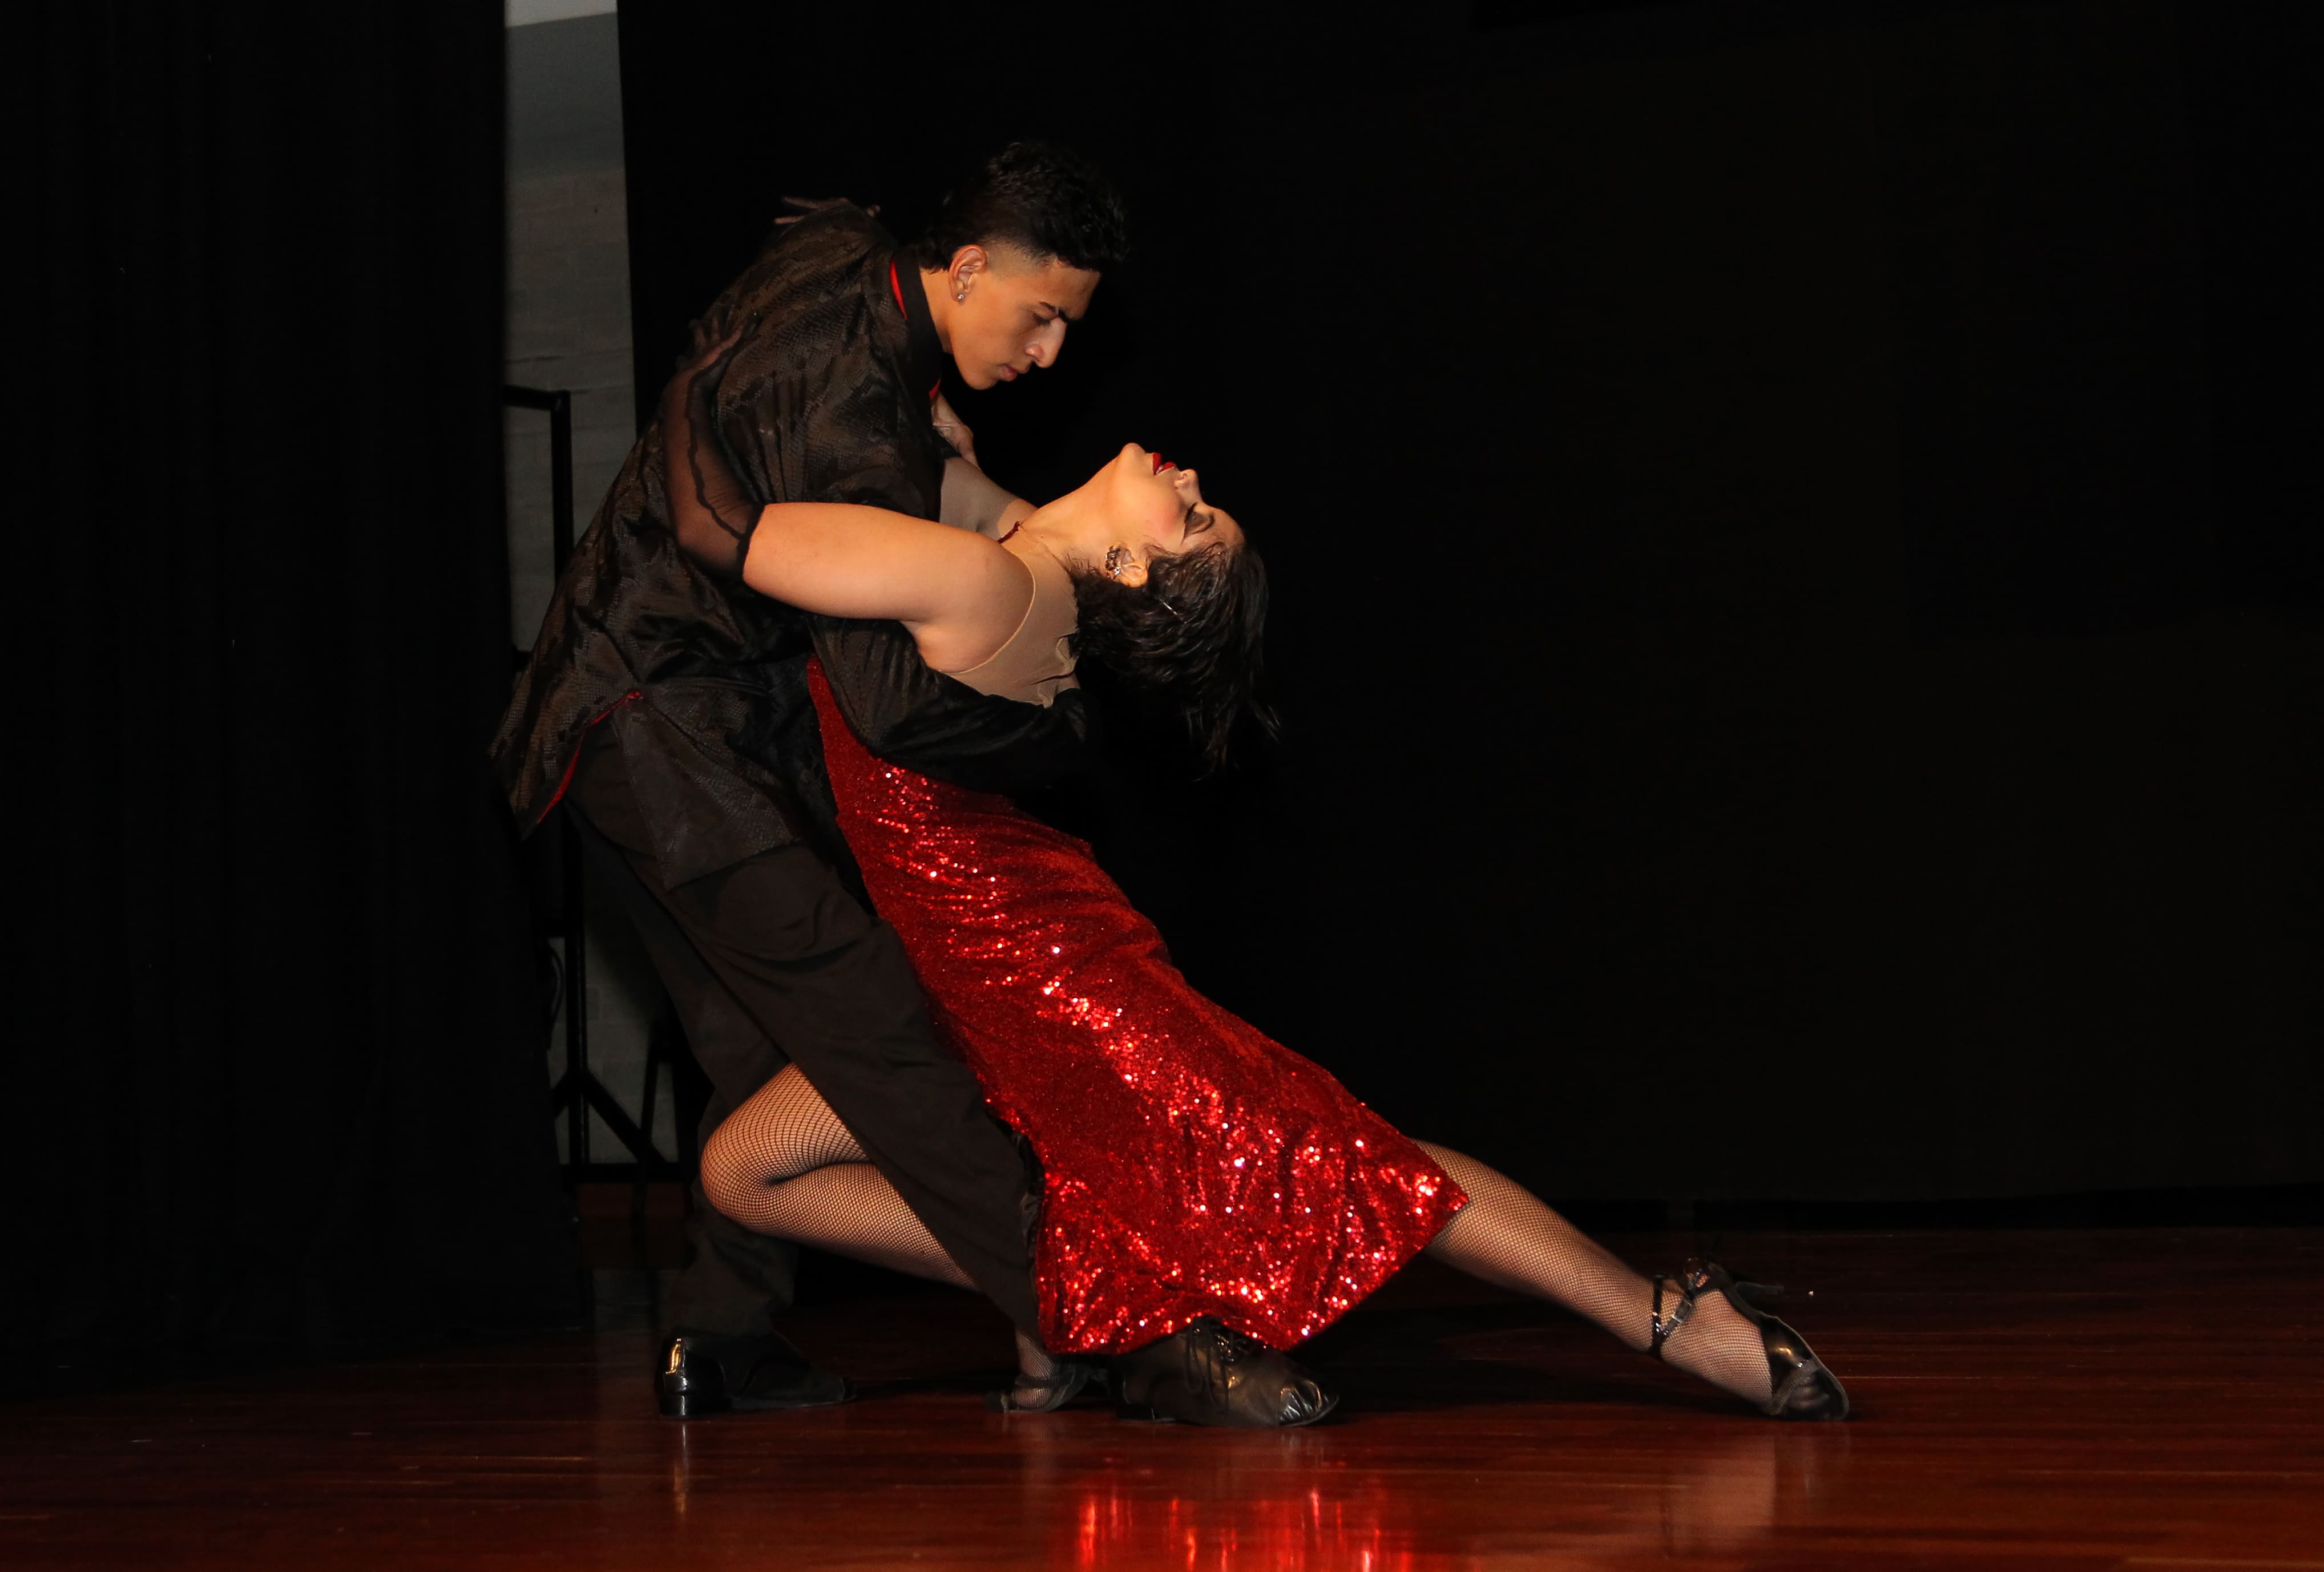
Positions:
{"x": 2136, "y": 1399}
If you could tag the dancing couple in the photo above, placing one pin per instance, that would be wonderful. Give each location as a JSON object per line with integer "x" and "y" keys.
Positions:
{"x": 799, "y": 662}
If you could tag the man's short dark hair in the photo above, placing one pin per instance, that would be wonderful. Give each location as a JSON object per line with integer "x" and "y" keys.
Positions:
{"x": 1038, "y": 198}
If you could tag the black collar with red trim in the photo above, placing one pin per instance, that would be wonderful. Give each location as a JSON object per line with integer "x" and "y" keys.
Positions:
{"x": 924, "y": 351}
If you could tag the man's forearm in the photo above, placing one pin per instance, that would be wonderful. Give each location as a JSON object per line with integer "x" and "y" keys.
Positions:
{"x": 972, "y": 500}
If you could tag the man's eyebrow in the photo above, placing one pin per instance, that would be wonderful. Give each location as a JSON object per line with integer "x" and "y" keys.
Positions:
{"x": 1060, "y": 311}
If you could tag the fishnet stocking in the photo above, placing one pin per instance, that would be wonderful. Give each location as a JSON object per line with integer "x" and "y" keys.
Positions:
{"x": 1505, "y": 1236}
{"x": 782, "y": 1163}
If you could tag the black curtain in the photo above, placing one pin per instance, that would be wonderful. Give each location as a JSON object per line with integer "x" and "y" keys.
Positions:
{"x": 1797, "y": 611}
{"x": 287, "y": 1090}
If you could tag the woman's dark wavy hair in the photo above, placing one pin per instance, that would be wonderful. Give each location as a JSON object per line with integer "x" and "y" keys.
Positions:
{"x": 1038, "y": 198}
{"x": 1190, "y": 633}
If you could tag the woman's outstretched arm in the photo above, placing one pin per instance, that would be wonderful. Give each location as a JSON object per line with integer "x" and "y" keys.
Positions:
{"x": 960, "y": 594}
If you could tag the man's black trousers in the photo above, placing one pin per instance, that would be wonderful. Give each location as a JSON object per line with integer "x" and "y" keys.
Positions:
{"x": 773, "y": 960}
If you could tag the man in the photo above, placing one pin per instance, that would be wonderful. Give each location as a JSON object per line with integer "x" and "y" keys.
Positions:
{"x": 666, "y": 705}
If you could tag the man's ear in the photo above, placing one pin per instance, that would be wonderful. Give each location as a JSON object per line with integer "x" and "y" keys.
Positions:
{"x": 966, "y": 262}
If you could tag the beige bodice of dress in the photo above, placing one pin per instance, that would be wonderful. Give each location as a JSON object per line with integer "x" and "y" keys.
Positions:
{"x": 1037, "y": 664}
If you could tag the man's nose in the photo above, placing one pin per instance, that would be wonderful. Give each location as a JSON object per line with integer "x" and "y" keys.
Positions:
{"x": 1049, "y": 344}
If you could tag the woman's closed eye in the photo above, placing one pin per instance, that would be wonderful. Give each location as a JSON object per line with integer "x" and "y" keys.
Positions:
{"x": 1198, "y": 522}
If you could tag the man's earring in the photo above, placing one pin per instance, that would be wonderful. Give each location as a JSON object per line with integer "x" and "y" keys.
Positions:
{"x": 962, "y": 294}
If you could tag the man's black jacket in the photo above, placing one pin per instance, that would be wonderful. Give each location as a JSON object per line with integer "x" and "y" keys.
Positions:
{"x": 823, "y": 397}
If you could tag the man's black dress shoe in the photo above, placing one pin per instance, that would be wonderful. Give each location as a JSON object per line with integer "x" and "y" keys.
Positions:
{"x": 699, "y": 1374}
{"x": 1209, "y": 1375}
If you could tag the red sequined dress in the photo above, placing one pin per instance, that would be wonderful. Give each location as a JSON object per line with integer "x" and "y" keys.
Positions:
{"x": 1191, "y": 1165}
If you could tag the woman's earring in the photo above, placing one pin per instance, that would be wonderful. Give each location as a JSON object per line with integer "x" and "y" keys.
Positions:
{"x": 1113, "y": 562}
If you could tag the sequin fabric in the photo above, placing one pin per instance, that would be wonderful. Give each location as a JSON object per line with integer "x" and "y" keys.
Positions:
{"x": 1191, "y": 1165}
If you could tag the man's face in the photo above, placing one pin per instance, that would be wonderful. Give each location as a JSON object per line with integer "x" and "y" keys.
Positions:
{"x": 1016, "y": 314}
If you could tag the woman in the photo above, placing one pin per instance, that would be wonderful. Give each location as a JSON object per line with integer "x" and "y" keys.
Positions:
{"x": 1192, "y": 1168}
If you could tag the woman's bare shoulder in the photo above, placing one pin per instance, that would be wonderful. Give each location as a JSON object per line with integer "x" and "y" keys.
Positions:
{"x": 995, "y": 595}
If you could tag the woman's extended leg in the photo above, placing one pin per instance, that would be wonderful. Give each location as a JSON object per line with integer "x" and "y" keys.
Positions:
{"x": 783, "y": 1164}
{"x": 1505, "y": 1236}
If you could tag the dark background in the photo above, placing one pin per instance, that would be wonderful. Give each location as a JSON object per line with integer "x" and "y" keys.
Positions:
{"x": 1798, "y": 606}
{"x": 1797, "y": 599}
{"x": 276, "y": 1077}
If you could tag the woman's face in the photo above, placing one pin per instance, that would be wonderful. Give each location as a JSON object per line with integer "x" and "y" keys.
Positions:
{"x": 1155, "y": 506}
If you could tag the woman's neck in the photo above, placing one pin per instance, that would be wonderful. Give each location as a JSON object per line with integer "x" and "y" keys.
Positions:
{"x": 1069, "y": 528}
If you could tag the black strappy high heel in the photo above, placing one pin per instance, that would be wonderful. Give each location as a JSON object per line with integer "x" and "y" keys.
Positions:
{"x": 1800, "y": 1386}
{"x": 1027, "y": 1395}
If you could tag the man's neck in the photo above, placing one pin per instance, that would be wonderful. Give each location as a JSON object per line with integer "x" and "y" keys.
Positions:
{"x": 936, "y": 285}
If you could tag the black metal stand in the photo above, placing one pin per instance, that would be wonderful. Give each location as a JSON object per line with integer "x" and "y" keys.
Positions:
{"x": 578, "y": 1091}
